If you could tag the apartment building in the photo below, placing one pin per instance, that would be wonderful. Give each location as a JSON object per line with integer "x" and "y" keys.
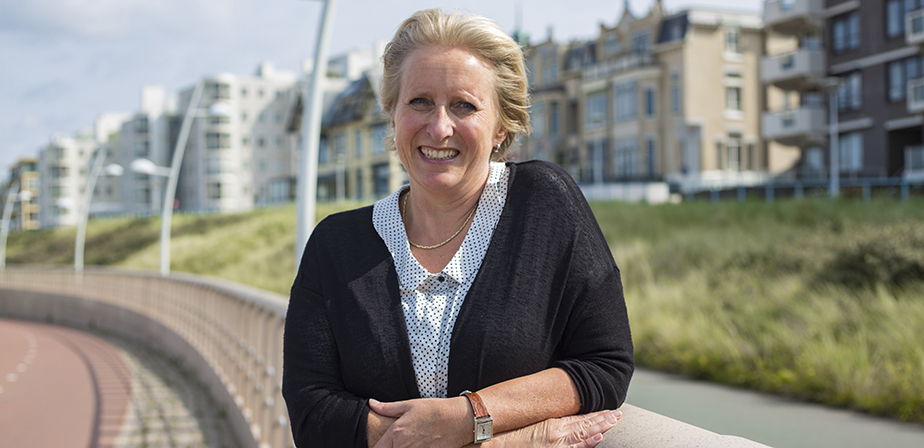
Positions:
{"x": 863, "y": 59}
{"x": 62, "y": 168}
{"x": 238, "y": 143}
{"x": 352, "y": 161}
{"x": 669, "y": 97}
{"x": 25, "y": 207}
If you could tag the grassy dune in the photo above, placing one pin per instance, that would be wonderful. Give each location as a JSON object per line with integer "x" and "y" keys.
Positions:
{"x": 814, "y": 299}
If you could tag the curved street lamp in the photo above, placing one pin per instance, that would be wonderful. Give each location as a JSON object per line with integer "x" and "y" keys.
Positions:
{"x": 307, "y": 180}
{"x": 5, "y": 222}
{"x": 95, "y": 171}
{"x": 145, "y": 166}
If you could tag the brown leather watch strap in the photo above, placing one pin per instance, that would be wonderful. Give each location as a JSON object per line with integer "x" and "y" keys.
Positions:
{"x": 477, "y": 404}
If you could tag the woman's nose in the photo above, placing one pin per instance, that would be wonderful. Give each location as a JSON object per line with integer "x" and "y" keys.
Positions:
{"x": 440, "y": 126}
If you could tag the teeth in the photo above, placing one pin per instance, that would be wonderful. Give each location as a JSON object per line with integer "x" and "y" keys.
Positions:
{"x": 441, "y": 154}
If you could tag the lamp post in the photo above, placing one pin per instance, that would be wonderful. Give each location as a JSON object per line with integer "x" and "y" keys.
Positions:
{"x": 307, "y": 181}
{"x": 145, "y": 166}
{"x": 833, "y": 174}
{"x": 97, "y": 168}
{"x": 5, "y": 223}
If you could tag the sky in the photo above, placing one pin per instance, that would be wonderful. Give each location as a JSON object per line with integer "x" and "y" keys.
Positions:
{"x": 64, "y": 62}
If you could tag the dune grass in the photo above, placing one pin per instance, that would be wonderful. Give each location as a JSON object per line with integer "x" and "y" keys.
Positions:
{"x": 818, "y": 300}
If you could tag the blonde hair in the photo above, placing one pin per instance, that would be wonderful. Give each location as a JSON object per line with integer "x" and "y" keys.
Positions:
{"x": 481, "y": 36}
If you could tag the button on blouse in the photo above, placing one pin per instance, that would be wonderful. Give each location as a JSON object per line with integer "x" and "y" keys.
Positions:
{"x": 431, "y": 301}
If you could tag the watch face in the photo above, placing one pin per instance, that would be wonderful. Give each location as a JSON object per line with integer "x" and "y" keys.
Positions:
{"x": 484, "y": 431}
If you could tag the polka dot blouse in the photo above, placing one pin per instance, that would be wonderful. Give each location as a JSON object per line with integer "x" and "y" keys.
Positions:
{"x": 431, "y": 301}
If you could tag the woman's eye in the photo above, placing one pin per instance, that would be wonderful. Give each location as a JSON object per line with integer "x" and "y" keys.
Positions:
{"x": 469, "y": 107}
{"x": 417, "y": 102}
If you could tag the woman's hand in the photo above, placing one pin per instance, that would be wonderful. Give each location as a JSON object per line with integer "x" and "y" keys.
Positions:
{"x": 576, "y": 431}
{"x": 426, "y": 422}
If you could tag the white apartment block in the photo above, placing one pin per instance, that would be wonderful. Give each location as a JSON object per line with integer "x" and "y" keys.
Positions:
{"x": 63, "y": 166}
{"x": 239, "y": 148}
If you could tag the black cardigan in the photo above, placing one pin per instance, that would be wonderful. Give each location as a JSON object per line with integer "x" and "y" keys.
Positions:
{"x": 548, "y": 294}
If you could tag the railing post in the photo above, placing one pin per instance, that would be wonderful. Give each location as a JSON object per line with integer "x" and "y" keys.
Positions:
{"x": 866, "y": 192}
{"x": 798, "y": 191}
{"x": 769, "y": 195}
{"x": 904, "y": 191}
{"x": 714, "y": 196}
{"x": 741, "y": 194}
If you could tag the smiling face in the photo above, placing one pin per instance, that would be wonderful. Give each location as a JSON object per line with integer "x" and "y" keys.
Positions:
{"x": 446, "y": 120}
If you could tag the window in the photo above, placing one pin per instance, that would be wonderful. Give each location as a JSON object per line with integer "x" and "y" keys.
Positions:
{"x": 214, "y": 190}
{"x": 896, "y": 12}
{"x": 612, "y": 44}
{"x": 553, "y": 119}
{"x": 58, "y": 172}
{"x": 896, "y": 81}
{"x": 650, "y": 102}
{"x": 338, "y": 147}
{"x": 245, "y": 141}
{"x": 278, "y": 142}
{"x": 850, "y": 152}
{"x": 626, "y": 158}
{"x": 549, "y": 66}
{"x": 538, "y": 120}
{"x": 379, "y": 134}
{"x": 675, "y": 93}
{"x": 217, "y": 91}
{"x": 732, "y": 40}
{"x": 626, "y": 101}
{"x": 595, "y": 110}
{"x": 243, "y": 116}
{"x": 322, "y": 150}
{"x": 846, "y": 32}
{"x": 733, "y": 98}
{"x": 261, "y": 142}
{"x": 277, "y": 118}
{"x": 219, "y": 119}
{"x": 359, "y": 184}
{"x": 217, "y": 140}
{"x": 900, "y": 73}
{"x": 358, "y": 141}
{"x": 243, "y": 91}
{"x": 752, "y": 157}
{"x": 382, "y": 176}
{"x": 850, "y": 92}
{"x": 640, "y": 41}
{"x": 734, "y": 152}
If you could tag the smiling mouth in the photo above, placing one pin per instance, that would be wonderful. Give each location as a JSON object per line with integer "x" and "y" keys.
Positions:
{"x": 438, "y": 154}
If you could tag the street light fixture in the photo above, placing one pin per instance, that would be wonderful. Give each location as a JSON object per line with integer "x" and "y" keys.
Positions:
{"x": 307, "y": 181}
{"x": 95, "y": 171}
{"x": 145, "y": 166}
{"x": 5, "y": 222}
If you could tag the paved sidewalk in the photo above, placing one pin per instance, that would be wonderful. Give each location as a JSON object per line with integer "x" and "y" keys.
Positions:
{"x": 62, "y": 388}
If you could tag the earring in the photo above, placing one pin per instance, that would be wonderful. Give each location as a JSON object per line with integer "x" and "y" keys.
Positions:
{"x": 494, "y": 149}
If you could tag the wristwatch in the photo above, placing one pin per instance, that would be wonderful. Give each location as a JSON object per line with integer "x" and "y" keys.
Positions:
{"x": 484, "y": 424}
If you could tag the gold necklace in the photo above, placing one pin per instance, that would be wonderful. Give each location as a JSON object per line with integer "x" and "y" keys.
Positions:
{"x": 404, "y": 211}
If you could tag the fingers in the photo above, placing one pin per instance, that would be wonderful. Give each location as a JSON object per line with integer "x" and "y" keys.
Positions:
{"x": 583, "y": 430}
{"x": 394, "y": 410}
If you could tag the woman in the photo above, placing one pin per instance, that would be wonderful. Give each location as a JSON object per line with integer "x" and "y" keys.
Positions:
{"x": 478, "y": 275}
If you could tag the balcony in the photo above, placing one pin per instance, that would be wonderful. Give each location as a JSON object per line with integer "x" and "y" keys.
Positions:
{"x": 915, "y": 96}
{"x": 798, "y": 70}
{"x": 799, "y": 127}
{"x": 793, "y": 16}
{"x": 914, "y": 27}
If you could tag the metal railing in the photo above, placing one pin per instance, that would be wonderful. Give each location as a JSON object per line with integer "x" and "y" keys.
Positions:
{"x": 235, "y": 333}
{"x": 236, "y": 330}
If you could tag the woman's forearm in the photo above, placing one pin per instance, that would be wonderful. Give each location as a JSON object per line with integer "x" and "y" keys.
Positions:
{"x": 526, "y": 400}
